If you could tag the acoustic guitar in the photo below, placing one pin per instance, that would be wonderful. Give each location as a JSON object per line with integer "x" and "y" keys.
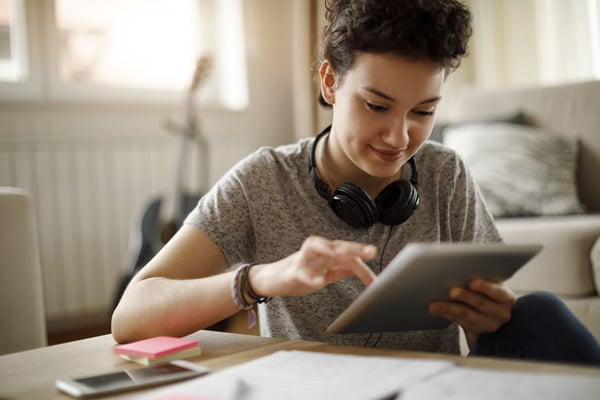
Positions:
{"x": 164, "y": 215}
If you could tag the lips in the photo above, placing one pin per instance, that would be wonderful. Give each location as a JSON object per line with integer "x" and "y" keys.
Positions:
{"x": 388, "y": 155}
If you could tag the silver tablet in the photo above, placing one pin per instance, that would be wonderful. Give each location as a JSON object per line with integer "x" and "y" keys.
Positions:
{"x": 397, "y": 299}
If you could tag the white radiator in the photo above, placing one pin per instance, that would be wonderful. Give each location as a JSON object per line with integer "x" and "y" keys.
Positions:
{"x": 87, "y": 193}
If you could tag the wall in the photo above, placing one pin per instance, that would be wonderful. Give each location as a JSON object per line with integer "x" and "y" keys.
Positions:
{"x": 230, "y": 135}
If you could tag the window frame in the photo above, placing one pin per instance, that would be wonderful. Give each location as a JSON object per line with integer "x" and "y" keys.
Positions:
{"x": 43, "y": 81}
{"x": 29, "y": 87}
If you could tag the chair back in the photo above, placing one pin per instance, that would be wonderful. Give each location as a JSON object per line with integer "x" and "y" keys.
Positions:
{"x": 22, "y": 313}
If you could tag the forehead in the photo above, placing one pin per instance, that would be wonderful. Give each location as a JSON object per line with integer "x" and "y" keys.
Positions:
{"x": 399, "y": 78}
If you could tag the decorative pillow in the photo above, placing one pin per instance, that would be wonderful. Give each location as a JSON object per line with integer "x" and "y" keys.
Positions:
{"x": 519, "y": 117}
{"x": 520, "y": 170}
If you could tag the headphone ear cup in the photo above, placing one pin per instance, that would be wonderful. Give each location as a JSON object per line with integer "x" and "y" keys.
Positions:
{"x": 354, "y": 206}
{"x": 396, "y": 202}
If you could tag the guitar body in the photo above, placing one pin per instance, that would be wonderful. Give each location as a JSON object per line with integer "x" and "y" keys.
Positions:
{"x": 145, "y": 243}
{"x": 151, "y": 234}
{"x": 164, "y": 215}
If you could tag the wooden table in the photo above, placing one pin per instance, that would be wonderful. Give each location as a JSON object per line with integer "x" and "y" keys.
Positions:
{"x": 31, "y": 374}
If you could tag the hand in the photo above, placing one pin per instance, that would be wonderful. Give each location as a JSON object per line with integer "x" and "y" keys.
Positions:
{"x": 318, "y": 263}
{"x": 481, "y": 307}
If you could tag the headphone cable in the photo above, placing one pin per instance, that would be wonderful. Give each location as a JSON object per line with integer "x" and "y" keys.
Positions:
{"x": 387, "y": 240}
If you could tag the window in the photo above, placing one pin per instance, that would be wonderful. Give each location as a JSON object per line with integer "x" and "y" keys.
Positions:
{"x": 13, "y": 54}
{"x": 535, "y": 42}
{"x": 152, "y": 45}
{"x": 126, "y": 43}
{"x": 132, "y": 50}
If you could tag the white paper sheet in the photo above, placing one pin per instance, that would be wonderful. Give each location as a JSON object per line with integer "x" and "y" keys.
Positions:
{"x": 303, "y": 375}
{"x": 477, "y": 384}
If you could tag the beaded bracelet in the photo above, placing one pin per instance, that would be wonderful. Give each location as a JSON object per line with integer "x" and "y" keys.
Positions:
{"x": 236, "y": 293}
{"x": 240, "y": 287}
{"x": 246, "y": 288}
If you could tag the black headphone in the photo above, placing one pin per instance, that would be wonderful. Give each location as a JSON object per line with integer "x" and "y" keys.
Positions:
{"x": 394, "y": 205}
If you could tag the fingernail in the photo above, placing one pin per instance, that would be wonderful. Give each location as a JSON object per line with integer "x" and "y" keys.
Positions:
{"x": 454, "y": 292}
{"x": 369, "y": 249}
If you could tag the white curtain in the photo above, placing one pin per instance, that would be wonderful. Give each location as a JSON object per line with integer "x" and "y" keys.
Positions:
{"x": 534, "y": 42}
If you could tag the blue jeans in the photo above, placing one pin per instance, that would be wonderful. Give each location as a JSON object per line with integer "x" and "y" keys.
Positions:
{"x": 542, "y": 328}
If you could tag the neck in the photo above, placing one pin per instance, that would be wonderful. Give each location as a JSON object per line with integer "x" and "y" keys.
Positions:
{"x": 335, "y": 168}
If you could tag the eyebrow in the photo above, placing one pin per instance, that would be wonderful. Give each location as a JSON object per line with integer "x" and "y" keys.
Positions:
{"x": 390, "y": 98}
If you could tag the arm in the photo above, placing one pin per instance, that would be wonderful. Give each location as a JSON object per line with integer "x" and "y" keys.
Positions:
{"x": 184, "y": 288}
{"x": 166, "y": 296}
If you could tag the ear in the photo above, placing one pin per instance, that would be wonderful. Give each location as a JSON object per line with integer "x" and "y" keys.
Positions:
{"x": 328, "y": 78}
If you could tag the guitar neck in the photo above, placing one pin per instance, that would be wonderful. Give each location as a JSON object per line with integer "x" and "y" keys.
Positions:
{"x": 172, "y": 210}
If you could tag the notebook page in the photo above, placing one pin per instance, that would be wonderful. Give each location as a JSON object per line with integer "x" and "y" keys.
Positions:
{"x": 477, "y": 384}
{"x": 305, "y": 375}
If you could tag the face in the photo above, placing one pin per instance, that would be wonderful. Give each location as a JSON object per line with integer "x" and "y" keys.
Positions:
{"x": 383, "y": 111}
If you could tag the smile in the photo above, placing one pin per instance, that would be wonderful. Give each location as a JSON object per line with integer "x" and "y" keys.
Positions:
{"x": 388, "y": 155}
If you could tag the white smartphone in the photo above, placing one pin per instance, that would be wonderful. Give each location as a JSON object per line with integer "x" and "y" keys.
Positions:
{"x": 130, "y": 379}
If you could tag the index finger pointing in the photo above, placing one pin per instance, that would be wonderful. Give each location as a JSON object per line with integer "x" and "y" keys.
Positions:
{"x": 352, "y": 249}
{"x": 363, "y": 272}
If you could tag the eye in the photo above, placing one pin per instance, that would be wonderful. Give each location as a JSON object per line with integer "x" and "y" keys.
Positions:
{"x": 425, "y": 113}
{"x": 375, "y": 107}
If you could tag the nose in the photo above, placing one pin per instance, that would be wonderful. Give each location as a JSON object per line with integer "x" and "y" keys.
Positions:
{"x": 396, "y": 134}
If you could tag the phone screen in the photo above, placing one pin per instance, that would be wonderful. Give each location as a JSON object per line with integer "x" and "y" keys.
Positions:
{"x": 130, "y": 379}
{"x": 135, "y": 375}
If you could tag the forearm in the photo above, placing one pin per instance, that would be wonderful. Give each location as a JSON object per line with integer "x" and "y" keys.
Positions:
{"x": 162, "y": 306}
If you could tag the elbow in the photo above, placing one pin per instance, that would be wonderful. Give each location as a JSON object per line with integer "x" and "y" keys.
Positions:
{"x": 127, "y": 320}
{"x": 126, "y": 325}
{"x": 118, "y": 328}
{"x": 130, "y": 321}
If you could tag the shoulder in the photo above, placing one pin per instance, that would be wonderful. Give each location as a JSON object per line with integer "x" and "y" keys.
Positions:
{"x": 436, "y": 158}
{"x": 289, "y": 156}
{"x": 269, "y": 167}
{"x": 436, "y": 152}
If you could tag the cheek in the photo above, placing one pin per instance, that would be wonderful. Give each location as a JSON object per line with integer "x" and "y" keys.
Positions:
{"x": 423, "y": 130}
{"x": 418, "y": 135}
{"x": 350, "y": 117}
{"x": 347, "y": 108}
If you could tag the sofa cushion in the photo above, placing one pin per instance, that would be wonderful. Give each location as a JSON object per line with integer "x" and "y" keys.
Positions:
{"x": 587, "y": 310}
{"x": 564, "y": 266}
{"x": 570, "y": 109}
{"x": 439, "y": 129}
{"x": 521, "y": 170}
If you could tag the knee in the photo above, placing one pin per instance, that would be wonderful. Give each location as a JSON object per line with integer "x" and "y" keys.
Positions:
{"x": 540, "y": 300}
{"x": 539, "y": 304}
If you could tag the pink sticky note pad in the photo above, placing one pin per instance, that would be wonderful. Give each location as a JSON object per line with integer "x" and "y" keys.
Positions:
{"x": 155, "y": 347}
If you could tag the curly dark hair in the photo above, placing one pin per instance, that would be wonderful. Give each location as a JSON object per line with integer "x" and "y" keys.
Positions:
{"x": 435, "y": 30}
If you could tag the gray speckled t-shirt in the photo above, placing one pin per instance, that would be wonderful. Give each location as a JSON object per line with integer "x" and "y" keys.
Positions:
{"x": 264, "y": 208}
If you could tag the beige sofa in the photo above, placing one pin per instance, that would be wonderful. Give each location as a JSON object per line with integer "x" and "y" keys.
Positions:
{"x": 570, "y": 262}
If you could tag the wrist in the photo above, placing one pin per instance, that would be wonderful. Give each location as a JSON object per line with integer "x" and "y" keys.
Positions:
{"x": 256, "y": 280}
{"x": 249, "y": 289}
{"x": 242, "y": 292}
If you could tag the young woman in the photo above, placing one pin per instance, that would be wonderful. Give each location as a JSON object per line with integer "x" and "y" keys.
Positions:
{"x": 313, "y": 222}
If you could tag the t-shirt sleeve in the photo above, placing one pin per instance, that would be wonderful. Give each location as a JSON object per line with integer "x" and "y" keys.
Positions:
{"x": 470, "y": 218}
{"x": 476, "y": 223}
{"x": 223, "y": 213}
